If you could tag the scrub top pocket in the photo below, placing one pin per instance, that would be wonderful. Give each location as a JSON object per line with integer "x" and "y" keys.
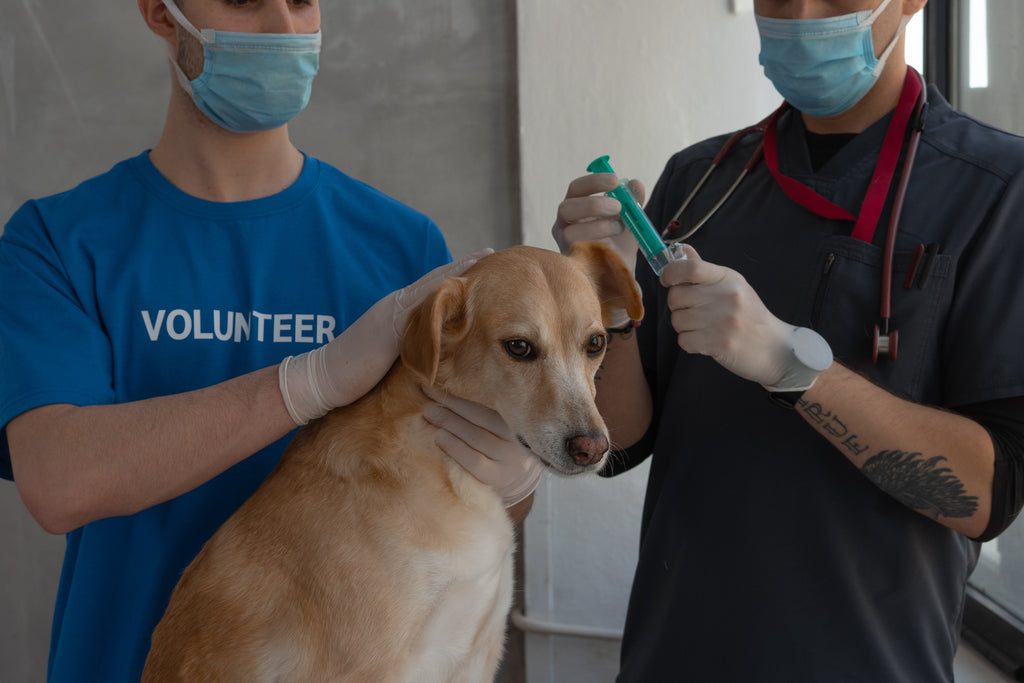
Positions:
{"x": 846, "y": 307}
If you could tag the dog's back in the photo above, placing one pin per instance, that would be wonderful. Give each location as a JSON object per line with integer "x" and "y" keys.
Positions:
{"x": 369, "y": 555}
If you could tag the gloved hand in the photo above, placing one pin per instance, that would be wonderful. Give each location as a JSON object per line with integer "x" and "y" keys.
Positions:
{"x": 588, "y": 215}
{"x": 715, "y": 312}
{"x": 478, "y": 438}
{"x": 351, "y": 364}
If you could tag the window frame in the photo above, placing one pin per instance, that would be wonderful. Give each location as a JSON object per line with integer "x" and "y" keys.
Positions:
{"x": 994, "y": 633}
{"x": 941, "y": 48}
{"x": 987, "y": 626}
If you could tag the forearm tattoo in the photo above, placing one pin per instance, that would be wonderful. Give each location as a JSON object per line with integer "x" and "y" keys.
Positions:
{"x": 921, "y": 483}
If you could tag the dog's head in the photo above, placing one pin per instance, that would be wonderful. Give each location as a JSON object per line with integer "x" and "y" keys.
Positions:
{"x": 523, "y": 333}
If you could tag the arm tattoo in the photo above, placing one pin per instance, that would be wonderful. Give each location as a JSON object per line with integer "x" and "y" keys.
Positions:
{"x": 833, "y": 427}
{"x": 920, "y": 483}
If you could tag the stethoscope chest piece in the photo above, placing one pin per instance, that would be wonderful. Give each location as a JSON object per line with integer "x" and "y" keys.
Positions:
{"x": 885, "y": 344}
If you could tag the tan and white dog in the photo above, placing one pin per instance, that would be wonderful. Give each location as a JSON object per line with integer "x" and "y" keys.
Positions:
{"x": 368, "y": 554}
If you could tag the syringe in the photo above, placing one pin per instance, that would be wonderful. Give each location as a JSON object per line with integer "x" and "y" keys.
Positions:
{"x": 657, "y": 254}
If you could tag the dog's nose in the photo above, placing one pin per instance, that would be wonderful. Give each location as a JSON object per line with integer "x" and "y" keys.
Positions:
{"x": 586, "y": 450}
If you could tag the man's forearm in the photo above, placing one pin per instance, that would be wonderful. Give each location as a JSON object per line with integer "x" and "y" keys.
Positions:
{"x": 936, "y": 462}
{"x": 623, "y": 397}
{"x": 73, "y": 465}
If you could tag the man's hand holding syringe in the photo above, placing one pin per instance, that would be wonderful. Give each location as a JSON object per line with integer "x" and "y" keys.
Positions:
{"x": 713, "y": 309}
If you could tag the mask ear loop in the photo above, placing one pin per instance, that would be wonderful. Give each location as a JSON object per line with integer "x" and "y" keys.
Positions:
{"x": 892, "y": 45}
{"x": 205, "y": 36}
{"x": 874, "y": 15}
{"x": 201, "y": 36}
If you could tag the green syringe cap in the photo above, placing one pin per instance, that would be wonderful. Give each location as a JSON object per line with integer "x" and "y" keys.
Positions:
{"x": 600, "y": 165}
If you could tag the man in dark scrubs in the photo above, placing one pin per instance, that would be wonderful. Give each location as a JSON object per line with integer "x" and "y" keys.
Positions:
{"x": 812, "y": 512}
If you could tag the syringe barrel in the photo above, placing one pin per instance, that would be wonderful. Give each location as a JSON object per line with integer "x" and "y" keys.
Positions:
{"x": 636, "y": 220}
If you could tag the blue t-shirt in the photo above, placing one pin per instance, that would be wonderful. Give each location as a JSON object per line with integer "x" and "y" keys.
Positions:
{"x": 126, "y": 288}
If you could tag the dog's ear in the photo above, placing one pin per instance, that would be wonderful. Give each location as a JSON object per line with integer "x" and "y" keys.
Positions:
{"x": 440, "y": 316}
{"x": 615, "y": 285}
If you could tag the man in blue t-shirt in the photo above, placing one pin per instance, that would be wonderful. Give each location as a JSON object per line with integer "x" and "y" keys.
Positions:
{"x": 146, "y": 313}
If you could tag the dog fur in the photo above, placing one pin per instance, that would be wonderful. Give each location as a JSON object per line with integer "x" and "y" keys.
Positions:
{"x": 368, "y": 554}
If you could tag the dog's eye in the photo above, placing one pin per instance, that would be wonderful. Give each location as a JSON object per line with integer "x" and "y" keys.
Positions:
{"x": 520, "y": 349}
{"x": 596, "y": 344}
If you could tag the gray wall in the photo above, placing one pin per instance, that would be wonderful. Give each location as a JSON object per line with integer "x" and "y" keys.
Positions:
{"x": 415, "y": 97}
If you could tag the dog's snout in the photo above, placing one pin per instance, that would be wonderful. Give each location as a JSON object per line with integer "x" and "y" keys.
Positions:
{"x": 586, "y": 450}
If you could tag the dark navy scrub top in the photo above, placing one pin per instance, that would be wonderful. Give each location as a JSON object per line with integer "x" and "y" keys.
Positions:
{"x": 765, "y": 555}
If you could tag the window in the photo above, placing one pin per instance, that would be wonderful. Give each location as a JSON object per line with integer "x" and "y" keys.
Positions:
{"x": 989, "y": 64}
{"x": 972, "y": 50}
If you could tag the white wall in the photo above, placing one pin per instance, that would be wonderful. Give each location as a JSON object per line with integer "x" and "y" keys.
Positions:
{"x": 638, "y": 81}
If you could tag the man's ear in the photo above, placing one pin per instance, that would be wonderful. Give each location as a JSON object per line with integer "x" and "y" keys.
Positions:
{"x": 439, "y": 318}
{"x": 615, "y": 285}
{"x": 159, "y": 20}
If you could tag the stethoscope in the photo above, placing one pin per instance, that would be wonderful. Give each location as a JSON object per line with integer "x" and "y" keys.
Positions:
{"x": 913, "y": 100}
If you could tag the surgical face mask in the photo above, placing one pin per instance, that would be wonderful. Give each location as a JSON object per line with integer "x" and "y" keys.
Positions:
{"x": 823, "y": 66}
{"x": 250, "y": 81}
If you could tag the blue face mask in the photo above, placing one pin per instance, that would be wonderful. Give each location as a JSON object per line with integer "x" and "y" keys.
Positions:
{"x": 250, "y": 81}
{"x": 823, "y": 66}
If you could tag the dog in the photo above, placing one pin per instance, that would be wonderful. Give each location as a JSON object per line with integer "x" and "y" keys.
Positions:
{"x": 368, "y": 554}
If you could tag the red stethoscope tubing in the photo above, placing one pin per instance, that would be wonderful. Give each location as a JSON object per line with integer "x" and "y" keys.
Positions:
{"x": 884, "y": 340}
{"x": 909, "y": 114}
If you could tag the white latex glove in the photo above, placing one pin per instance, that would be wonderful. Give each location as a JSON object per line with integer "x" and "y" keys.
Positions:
{"x": 588, "y": 215}
{"x": 478, "y": 438}
{"x": 715, "y": 312}
{"x": 351, "y": 364}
